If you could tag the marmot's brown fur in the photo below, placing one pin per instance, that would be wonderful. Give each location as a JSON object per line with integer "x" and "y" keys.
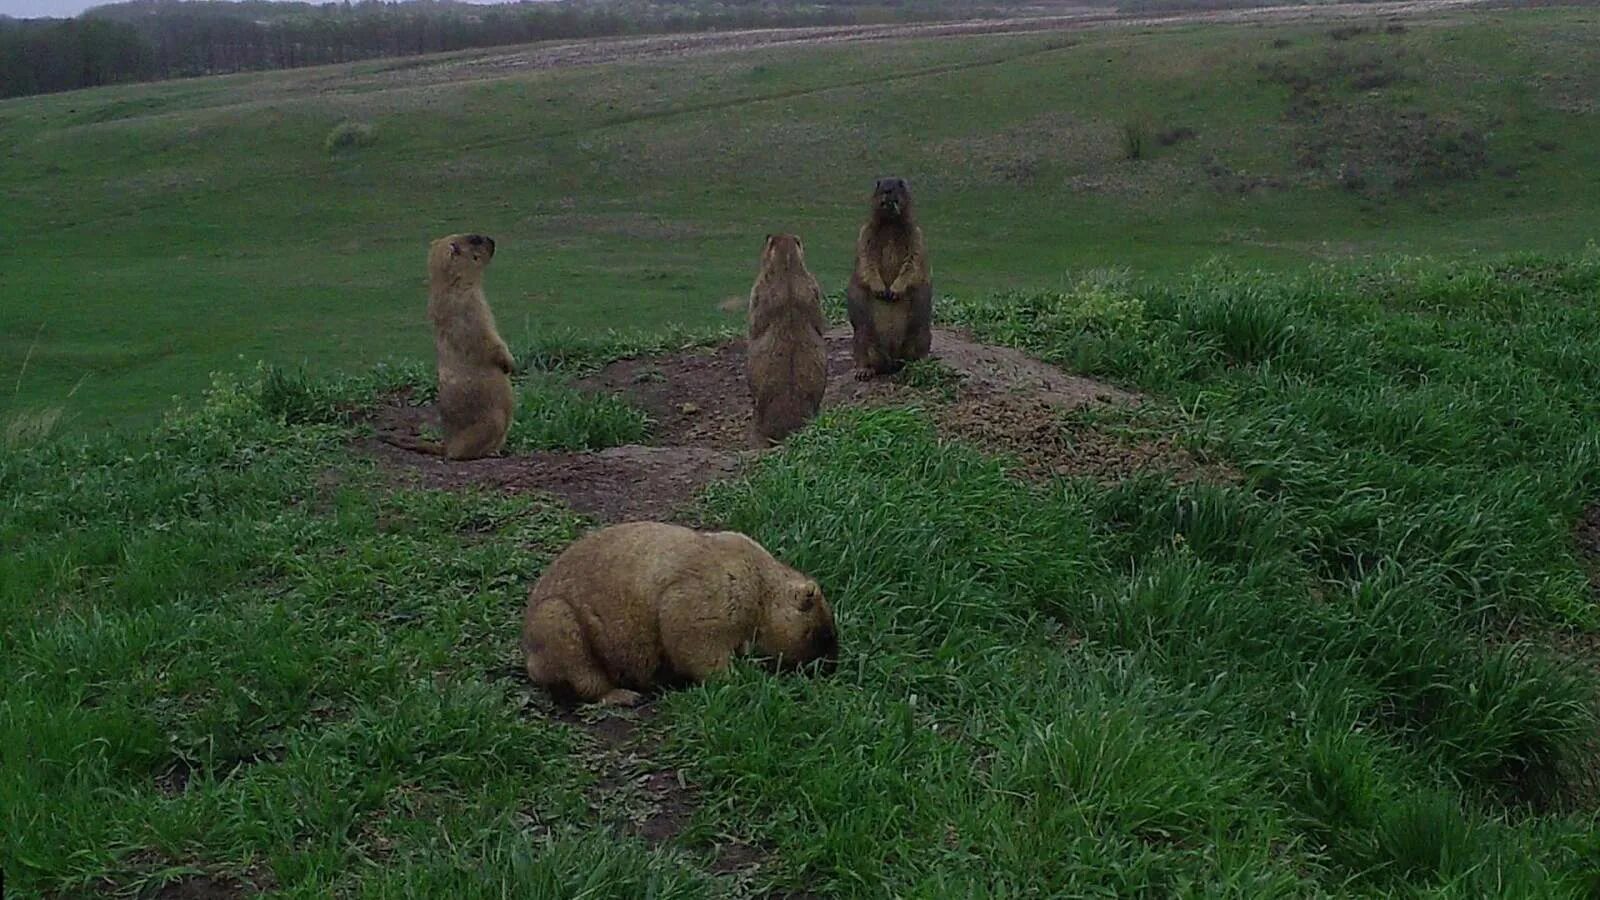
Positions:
{"x": 787, "y": 362}
{"x": 890, "y": 297}
{"x": 475, "y": 397}
{"x": 632, "y": 606}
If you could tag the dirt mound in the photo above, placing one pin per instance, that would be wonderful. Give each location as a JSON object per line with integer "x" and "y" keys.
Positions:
{"x": 699, "y": 398}
{"x": 997, "y": 398}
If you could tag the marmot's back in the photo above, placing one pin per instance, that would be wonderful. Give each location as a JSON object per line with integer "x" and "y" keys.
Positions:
{"x": 787, "y": 358}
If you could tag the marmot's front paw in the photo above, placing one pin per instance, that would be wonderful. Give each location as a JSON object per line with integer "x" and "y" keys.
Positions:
{"x": 621, "y": 697}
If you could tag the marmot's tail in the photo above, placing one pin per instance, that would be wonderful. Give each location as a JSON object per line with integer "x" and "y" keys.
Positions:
{"x": 413, "y": 443}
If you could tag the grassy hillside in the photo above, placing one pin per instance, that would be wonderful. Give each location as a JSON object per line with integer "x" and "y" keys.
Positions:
{"x": 155, "y": 234}
{"x": 241, "y": 657}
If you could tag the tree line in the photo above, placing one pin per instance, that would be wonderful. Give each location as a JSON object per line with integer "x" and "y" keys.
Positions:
{"x": 149, "y": 39}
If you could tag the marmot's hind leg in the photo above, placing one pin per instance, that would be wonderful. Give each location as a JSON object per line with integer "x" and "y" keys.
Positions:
{"x": 476, "y": 441}
{"x": 558, "y": 656}
{"x": 866, "y": 353}
{"x": 919, "y": 331}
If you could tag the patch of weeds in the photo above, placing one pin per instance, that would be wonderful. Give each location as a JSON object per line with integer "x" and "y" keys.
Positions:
{"x": 931, "y": 375}
{"x": 1135, "y": 140}
{"x": 1346, "y": 32}
{"x": 507, "y": 863}
{"x": 1355, "y": 138}
{"x": 1424, "y": 837}
{"x": 552, "y": 415}
{"x": 579, "y": 353}
{"x": 1247, "y": 327}
{"x": 1099, "y": 309}
{"x": 30, "y": 427}
{"x": 835, "y": 307}
{"x": 349, "y": 136}
{"x": 294, "y": 398}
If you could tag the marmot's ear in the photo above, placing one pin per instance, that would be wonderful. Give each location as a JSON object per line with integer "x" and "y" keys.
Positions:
{"x": 455, "y": 249}
{"x": 809, "y": 595}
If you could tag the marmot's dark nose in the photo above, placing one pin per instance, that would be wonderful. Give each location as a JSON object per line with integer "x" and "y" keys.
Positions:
{"x": 824, "y": 644}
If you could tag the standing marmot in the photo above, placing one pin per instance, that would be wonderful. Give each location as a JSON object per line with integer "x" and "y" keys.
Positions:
{"x": 631, "y": 606}
{"x": 475, "y": 398}
{"x": 891, "y": 291}
{"x": 787, "y": 362}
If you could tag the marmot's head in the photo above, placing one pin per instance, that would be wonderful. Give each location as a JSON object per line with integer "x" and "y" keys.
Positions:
{"x": 891, "y": 199}
{"x": 797, "y": 625}
{"x": 783, "y": 251}
{"x": 460, "y": 256}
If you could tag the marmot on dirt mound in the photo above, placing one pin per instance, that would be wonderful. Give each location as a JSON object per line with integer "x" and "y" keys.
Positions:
{"x": 890, "y": 296}
{"x": 475, "y": 397}
{"x": 787, "y": 361}
{"x": 632, "y": 606}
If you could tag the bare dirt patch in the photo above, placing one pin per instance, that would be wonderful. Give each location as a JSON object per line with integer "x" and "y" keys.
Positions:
{"x": 997, "y": 398}
{"x": 699, "y": 398}
{"x": 203, "y": 887}
{"x": 1587, "y": 535}
{"x": 618, "y": 484}
{"x": 634, "y": 794}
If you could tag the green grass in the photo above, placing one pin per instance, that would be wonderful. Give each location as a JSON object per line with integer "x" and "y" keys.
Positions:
{"x": 158, "y": 233}
{"x": 552, "y": 416}
{"x": 233, "y": 648}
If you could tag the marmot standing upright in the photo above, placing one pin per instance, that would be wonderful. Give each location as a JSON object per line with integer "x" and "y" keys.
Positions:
{"x": 474, "y": 364}
{"x": 632, "y": 606}
{"x": 890, "y": 296}
{"x": 787, "y": 361}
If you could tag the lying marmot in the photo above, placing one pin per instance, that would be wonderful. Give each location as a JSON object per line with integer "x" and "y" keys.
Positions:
{"x": 475, "y": 397}
{"x": 787, "y": 363}
{"x": 890, "y": 296}
{"x": 632, "y": 606}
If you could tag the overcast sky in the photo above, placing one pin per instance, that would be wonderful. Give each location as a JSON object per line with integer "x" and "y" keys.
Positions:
{"x": 28, "y": 9}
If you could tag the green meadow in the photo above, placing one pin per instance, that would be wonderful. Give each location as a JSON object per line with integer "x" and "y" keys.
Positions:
{"x": 155, "y": 234}
{"x": 1355, "y": 272}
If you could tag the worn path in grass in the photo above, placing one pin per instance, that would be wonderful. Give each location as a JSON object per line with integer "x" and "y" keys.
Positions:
{"x": 604, "y": 50}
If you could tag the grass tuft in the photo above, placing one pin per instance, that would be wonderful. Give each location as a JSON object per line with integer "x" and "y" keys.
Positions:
{"x": 553, "y": 416}
{"x": 348, "y": 136}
